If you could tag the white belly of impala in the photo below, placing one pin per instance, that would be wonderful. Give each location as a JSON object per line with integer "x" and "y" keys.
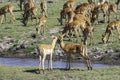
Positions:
{"x": 48, "y": 51}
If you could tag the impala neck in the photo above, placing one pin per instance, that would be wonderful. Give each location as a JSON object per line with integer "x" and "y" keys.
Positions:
{"x": 62, "y": 44}
{"x": 54, "y": 42}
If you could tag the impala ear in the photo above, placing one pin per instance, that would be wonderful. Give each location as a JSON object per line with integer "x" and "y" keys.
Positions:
{"x": 60, "y": 32}
{"x": 51, "y": 34}
{"x": 46, "y": 16}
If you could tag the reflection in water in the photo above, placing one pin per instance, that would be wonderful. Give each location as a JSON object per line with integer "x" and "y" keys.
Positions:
{"x": 35, "y": 62}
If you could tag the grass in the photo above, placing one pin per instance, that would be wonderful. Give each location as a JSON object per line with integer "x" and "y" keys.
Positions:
{"x": 20, "y": 32}
{"x": 31, "y": 73}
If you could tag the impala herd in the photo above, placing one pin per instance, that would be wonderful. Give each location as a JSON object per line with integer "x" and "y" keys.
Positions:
{"x": 79, "y": 20}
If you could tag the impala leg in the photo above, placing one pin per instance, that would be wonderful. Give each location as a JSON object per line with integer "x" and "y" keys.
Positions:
{"x": 51, "y": 61}
{"x": 85, "y": 40}
{"x": 104, "y": 15}
{"x": 89, "y": 64}
{"x": 2, "y": 19}
{"x": 97, "y": 17}
{"x": 71, "y": 35}
{"x": 31, "y": 18}
{"x": 43, "y": 62}
{"x": 61, "y": 18}
{"x": 43, "y": 29}
{"x": 108, "y": 16}
{"x": 40, "y": 63}
{"x": 21, "y": 5}
{"x": 69, "y": 59}
{"x": 115, "y": 11}
{"x": 118, "y": 30}
{"x": 11, "y": 12}
{"x": 67, "y": 62}
{"x": 86, "y": 58}
{"x": 35, "y": 14}
{"x": 91, "y": 38}
{"x": 67, "y": 34}
{"x": 76, "y": 33}
{"x": 39, "y": 29}
{"x": 5, "y": 17}
{"x": 48, "y": 63}
{"x": 85, "y": 34}
{"x": 111, "y": 35}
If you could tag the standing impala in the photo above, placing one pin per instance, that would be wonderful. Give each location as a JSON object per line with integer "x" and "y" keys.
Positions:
{"x": 108, "y": 32}
{"x": 46, "y": 49}
{"x": 43, "y": 6}
{"x": 7, "y": 8}
{"x": 73, "y": 49}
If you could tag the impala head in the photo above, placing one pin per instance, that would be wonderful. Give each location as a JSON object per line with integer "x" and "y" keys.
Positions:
{"x": 54, "y": 37}
{"x": 36, "y": 50}
{"x": 60, "y": 38}
{"x": 104, "y": 38}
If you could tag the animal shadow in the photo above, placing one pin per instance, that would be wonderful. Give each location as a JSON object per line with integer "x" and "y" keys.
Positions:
{"x": 17, "y": 11}
{"x": 32, "y": 71}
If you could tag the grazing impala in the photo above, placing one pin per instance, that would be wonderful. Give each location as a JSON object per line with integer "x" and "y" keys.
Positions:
{"x": 71, "y": 15}
{"x": 46, "y": 49}
{"x": 79, "y": 25}
{"x": 109, "y": 28}
{"x": 73, "y": 49}
{"x": 41, "y": 24}
{"x": 7, "y": 8}
{"x": 28, "y": 5}
{"x": 95, "y": 13}
{"x": 28, "y": 13}
{"x": 73, "y": 26}
{"x": 23, "y": 2}
{"x": 65, "y": 13}
{"x": 113, "y": 8}
{"x": 106, "y": 9}
{"x": 84, "y": 9}
{"x": 69, "y": 4}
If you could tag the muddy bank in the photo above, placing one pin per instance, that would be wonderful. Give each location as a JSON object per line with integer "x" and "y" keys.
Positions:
{"x": 105, "y": 56}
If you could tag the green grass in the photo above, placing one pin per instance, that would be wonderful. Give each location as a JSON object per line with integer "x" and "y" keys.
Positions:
{"x": 31, "y": 73}
{"x": 20, "y": 32}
